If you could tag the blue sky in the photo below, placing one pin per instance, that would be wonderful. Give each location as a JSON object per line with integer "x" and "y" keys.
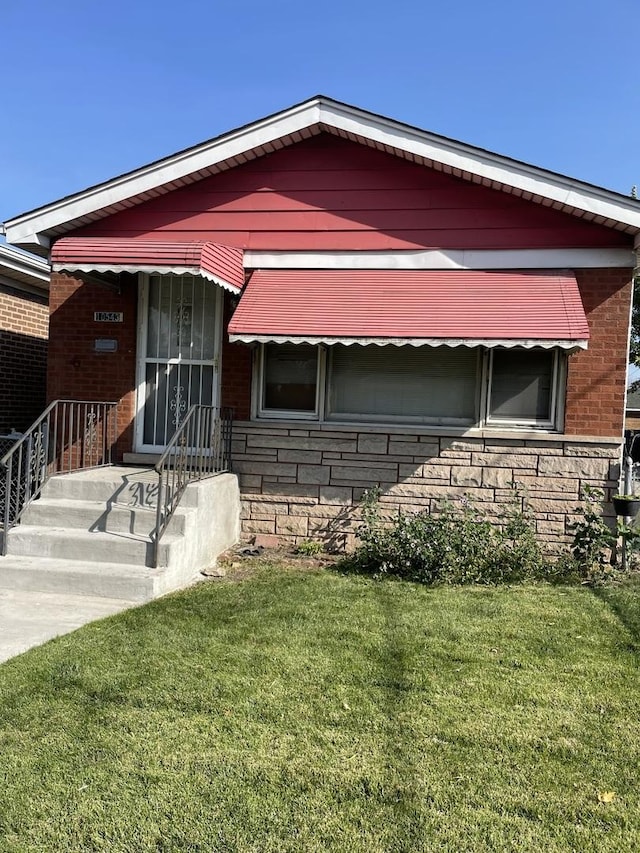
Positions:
{"x": 93, "y": 89}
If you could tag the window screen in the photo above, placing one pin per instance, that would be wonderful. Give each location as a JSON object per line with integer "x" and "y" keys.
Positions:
{"x": 290, "y": 377}
{"x": 521, "y": 382}
{"x": 404, "y": 382}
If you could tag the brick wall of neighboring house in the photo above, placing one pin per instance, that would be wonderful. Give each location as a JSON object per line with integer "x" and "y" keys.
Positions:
{"x": 632, "y": 420}
{"x": 300, "y": 481}
{"x": 24, "y": 322}
{"x": 76, "y": 371}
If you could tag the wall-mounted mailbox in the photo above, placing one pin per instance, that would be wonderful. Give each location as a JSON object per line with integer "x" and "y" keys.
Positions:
{"x": 105, "y": 345}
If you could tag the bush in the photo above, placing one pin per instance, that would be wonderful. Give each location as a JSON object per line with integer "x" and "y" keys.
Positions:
{"x": 458, "y": 544}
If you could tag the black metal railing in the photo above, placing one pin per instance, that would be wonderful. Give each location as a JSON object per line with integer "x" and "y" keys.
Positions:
{"x": 68, "y": 436}
{"x": 200, "y": 448}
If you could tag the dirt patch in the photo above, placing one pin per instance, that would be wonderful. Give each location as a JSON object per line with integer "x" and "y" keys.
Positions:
{"x": 242, "y": 561}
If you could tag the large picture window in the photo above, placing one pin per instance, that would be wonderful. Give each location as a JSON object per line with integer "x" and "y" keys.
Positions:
{"x": 447, "y": 386}
{"x": 402, "y": 383}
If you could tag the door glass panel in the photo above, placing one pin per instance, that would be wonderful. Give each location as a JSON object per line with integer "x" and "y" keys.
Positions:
{"x": 180, "y": 352}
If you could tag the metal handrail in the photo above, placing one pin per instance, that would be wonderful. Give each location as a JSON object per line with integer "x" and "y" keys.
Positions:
{"x": 69, "y": 435}
{"x": 199, "y": 448}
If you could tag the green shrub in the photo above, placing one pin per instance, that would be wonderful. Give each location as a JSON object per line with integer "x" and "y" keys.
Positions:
{"x": 458, "y": 544}
{"x": 309, "y": 548}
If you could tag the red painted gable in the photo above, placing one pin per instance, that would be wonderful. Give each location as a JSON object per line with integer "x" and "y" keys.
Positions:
{"x": 326, "y": 193}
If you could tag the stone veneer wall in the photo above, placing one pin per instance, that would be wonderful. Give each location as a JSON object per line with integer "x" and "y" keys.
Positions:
{"x": 302, "y": 480}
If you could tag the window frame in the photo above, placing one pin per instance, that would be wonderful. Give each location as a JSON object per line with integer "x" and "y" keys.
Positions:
{"x": 263, "y": 413}
{"x": 483, "y": 419}
{"x": 548, "y": 424}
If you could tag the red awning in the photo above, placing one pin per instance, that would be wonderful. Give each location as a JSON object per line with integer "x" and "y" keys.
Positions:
{"x": 221, "y": 264}
{"x": 416, "y": 307}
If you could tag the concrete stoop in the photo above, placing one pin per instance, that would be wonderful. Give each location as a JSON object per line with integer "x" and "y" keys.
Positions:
{"x": 89, "y": 534}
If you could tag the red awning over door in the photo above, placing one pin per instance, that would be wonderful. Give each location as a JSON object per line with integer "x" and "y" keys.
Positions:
{"x": 221, "y": 264}
{"x": 417, "y": 307}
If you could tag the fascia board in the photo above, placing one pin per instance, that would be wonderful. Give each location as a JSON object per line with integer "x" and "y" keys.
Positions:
{"x": 493, "y": 167}
{"x": 173, "y": 168}
{"x": 35, "y": 269}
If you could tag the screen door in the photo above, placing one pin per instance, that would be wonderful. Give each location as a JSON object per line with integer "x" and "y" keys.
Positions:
{"x": 180, "y": 341}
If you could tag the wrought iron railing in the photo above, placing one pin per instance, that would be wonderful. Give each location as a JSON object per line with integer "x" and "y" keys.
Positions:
{"x": 200, "y": 448}
{"x": 68, "y": 436}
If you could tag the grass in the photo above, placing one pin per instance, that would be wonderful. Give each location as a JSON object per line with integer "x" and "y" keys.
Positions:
{"x": 317, "y": 712}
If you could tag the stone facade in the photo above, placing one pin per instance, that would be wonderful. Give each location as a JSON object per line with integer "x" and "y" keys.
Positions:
{"x": 305, "y": 481}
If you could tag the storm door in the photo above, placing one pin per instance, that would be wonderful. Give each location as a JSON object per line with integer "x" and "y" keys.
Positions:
{"x": 178, "y": 344}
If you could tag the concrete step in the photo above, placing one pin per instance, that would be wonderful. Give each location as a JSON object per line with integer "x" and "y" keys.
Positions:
{"x": 69, "y": 577}
{"x": 98, "y": 516}
{"x": 90, "y": 547}
{"x": 133, "y": 487}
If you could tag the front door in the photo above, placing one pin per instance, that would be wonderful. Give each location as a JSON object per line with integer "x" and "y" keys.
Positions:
{"x": 179, "y": 345}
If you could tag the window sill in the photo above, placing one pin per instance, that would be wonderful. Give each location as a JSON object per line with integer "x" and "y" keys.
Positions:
{"x": 512, "y": 434}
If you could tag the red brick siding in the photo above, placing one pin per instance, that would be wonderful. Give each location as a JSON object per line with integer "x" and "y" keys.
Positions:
{"x": 236, "y": 369}
{"x": 24, "y": 323}
{"x": 76, "y": 371}
{"x": 597, "y": 376}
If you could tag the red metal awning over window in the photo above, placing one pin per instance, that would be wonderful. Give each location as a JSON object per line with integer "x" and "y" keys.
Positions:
{"x": 416, "y": 307}
{"x": 221, "y": 264}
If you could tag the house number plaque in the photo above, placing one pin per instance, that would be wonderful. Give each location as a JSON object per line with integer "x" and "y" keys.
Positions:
{"x": 108, "y": 316}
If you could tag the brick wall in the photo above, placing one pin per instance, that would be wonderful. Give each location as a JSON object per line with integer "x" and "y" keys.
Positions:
{"x": 24, "y": 322}
{"x": 76, "y": 371}
{"x": 302, "y": 481}
{"x": 597, "y": 376}
{"x": 236, "y": 368}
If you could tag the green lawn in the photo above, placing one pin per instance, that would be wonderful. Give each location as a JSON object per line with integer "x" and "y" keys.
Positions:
{"x": 309, "y": 711}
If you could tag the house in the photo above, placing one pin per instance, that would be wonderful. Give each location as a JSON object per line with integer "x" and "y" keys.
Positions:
{"x": 24, "y": 324}
{"x": 632, "y": 410}
{"x": 380, "y": 305}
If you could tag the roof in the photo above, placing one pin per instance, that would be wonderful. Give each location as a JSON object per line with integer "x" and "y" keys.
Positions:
{"x": 23, "y": 271}
{"x": 36, "y": 229}
{"x": 416, "y": 307}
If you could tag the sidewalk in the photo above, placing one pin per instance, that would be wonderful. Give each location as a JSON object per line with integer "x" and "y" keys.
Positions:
{"x": 28, "y": 619}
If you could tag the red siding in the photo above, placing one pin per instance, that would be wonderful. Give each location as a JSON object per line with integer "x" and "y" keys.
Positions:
{"x": 329, "y": 194}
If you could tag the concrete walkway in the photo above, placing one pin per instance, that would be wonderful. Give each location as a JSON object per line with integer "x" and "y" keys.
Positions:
{"x": 28, "y": 619}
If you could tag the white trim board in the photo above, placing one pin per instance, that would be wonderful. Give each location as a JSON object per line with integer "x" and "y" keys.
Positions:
{"x": 303, "y": 120}
{"x": 473, "y": 259}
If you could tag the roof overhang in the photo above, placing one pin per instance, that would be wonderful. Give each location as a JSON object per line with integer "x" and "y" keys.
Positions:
{"x": 26, "y": 272}
{"x": 412, "y": 307}
{"x": 39, "y": 227}
{"x": 222, "y": 265}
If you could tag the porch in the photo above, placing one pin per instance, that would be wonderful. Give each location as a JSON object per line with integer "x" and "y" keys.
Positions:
{"x": 72, "y": 521}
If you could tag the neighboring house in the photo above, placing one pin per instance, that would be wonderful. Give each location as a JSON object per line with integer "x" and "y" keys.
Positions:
{"x": 632, "y": 411}
{"x": 380, "y": 305}
{"x": 24, "y": 324}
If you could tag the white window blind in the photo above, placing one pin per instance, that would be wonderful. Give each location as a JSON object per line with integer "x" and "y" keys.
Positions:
{"x": 434, "y": 385}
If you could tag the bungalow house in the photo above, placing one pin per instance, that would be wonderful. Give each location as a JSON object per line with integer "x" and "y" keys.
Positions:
{"x": 24, "y": 324}
{"x": 379, "y": 305}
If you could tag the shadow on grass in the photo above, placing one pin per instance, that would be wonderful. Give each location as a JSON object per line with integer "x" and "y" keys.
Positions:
{"x": 402, "y": 794}
{"x": 624, "y": 601}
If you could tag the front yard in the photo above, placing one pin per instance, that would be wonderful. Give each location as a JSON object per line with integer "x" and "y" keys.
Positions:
{"x": 309, "y": 711}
